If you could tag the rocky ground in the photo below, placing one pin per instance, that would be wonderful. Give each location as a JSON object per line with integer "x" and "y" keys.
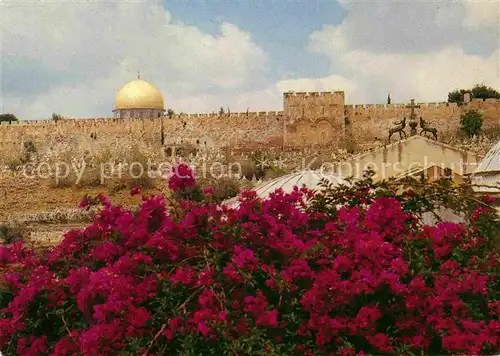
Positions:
{"x": 20, "y": 196}
{"x": 47, "y": 213}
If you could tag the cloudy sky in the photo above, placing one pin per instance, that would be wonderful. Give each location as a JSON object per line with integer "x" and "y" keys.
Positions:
{"x": 71, "y": 57}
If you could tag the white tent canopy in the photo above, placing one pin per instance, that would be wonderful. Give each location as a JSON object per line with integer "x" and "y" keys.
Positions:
{"x": 311, "y": 179}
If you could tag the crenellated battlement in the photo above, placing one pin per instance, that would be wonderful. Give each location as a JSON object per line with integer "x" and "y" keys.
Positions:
{"x": 312, "y": 93}
{"x": 26, "y": 122}
{"x": 232, "y": 115}
{"x": 420, "y": 106}
{"x": 307, "y": 118}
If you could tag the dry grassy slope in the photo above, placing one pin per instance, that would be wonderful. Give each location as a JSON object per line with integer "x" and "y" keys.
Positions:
{"x": 19, "y": 196}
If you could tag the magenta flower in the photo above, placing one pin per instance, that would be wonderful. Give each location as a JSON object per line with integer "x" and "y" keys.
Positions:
{"x": 135, "y": 191}
{"x": 208, "y": 191}
{"x": 181, "y": 177}
{"x": 85, "y": 203}
{"x": 274, "y": 275}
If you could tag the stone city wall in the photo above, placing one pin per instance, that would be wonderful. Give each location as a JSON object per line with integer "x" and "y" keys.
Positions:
{"x": 308, "y": 119}
{"x": 371, "y": 122}
{"x": 200, "y": 130}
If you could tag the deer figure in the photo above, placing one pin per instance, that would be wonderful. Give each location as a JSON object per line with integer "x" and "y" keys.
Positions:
{"x": 400, "y": 128}
{"x": 426, "y": 128}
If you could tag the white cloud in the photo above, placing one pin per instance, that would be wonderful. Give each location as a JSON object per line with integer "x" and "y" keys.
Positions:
{"x": 72, "y": 57}
{"x": 411, "y": 50}
{"x": 268, "y": 99}
{"x": 483, "y": 13}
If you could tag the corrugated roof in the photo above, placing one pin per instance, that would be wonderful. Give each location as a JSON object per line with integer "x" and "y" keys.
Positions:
{"x": 486, "y": 178}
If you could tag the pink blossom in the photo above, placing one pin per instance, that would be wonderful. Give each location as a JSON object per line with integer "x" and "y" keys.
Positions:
{"x": 181, "y": 177}
{"x": 135, "y": 191}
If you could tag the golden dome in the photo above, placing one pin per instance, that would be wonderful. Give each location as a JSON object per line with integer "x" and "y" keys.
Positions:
{"x": 139, "y": 94}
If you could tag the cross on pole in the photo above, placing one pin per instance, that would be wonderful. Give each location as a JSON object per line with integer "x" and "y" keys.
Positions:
{"x": 412, "y": 106}
{"x": 413, "y": 117}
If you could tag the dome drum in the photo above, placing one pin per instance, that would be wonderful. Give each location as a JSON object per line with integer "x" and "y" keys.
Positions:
{"x": 138, "y": 113}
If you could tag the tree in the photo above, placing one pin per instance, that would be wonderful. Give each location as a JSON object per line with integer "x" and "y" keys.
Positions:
{"x": 484, "y": 92}
{"x": 56, "y": 117}
{"x": 221, "y": 111}
{"x": 389, "y": 99}
{"x": 170, "y": 113}
{"x": 472, "y": 123}
{"x": 8, "y": 117}
{"x": 457, "y": 96}
{"x": 479, "y": 91}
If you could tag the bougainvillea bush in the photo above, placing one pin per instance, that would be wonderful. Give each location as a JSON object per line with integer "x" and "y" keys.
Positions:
{"x": 348, "y": 271}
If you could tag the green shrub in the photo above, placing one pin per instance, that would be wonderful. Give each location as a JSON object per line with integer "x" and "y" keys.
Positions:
{"x": 56, "y": 117}
{"x": 249, "y": 169}
{"x": 12, "y": 233}
{"x": 472, "y": 123}
{"x": 8, "y": 117}
{"x": 225, "y": 188}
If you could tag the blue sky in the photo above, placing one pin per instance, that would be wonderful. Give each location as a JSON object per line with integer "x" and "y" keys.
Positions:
{"x": 282, "y": 28}
{"x": 72, "y": 57}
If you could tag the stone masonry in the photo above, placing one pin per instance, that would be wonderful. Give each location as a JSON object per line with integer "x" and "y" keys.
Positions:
{"x": 307, "y": 119}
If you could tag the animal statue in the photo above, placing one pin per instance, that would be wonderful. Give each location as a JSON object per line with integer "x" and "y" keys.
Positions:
{"x": 426, "y": 128}
{"x": 399, "y": 129}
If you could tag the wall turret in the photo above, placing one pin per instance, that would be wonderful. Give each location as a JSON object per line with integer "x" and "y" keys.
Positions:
{"x": 314, "y": 105}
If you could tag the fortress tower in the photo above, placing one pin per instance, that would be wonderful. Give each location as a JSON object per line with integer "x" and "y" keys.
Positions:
{"x": 314, "y": 105}
{"x": 313, "y": 117}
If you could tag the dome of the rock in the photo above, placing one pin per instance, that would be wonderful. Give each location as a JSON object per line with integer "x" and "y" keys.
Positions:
{"x": 139, "y": 99}
{"x": 310, "y": 178}
{"x": 486, "y": 178}
{"x": 139, "y": 94}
